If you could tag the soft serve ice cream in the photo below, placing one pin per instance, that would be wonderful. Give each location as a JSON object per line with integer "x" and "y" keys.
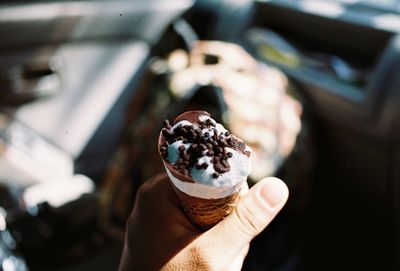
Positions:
{"x": 204, "y": 161}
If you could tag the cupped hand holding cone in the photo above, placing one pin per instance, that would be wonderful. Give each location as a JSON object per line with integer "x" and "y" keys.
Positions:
{"x": 160, "y": 237}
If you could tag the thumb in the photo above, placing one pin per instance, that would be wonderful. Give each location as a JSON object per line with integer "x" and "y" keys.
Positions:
{"x": 253, "y": 212}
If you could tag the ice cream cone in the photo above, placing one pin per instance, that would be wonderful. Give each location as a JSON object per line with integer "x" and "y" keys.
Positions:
{"x": 204, "y": 205}
{"x": 205, "y": 213}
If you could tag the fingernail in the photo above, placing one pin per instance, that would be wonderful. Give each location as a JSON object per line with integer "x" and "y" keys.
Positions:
{"x": 273, "y": 192}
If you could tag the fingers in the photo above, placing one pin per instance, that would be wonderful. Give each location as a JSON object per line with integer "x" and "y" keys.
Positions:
{"x": 157, "y": 204}
{"x": 155, "y": 190}
{"x": 253, "y": 212}
{"x": 156, "y": 226}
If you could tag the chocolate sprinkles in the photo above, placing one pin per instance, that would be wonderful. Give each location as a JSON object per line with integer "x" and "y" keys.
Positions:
{"x": 202, "y": 144}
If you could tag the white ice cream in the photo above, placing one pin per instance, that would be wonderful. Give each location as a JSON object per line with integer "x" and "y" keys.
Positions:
{"x": 239, "y": 163}
{"x": 173, "y": 152}
{"x": 240, "y": 169}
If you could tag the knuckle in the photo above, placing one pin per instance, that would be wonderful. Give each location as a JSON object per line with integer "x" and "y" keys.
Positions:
{"x": 246, "y": 220}
{"x": 144, "y": 192}
{"x": 152, "y": 189}
{"x": 143, "y": 189}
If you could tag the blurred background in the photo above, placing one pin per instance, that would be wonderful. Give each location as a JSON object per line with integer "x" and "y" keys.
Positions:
{"x": 312, "y": 86}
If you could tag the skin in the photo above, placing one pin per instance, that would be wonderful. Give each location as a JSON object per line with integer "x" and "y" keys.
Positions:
{"x": 160, "y": 237}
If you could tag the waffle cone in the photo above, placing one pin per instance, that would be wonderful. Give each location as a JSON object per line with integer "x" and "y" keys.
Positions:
{"x": 205, "y": 213}
{"x": 204, "y": 205}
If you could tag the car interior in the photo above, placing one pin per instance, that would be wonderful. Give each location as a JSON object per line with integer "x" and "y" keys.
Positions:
{"x": 314, "y": 85}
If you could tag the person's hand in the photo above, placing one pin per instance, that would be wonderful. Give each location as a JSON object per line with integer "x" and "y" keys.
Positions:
{"x": 160, "y": 237}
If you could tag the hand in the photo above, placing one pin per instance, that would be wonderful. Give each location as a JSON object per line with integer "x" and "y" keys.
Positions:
{"x": 160, "y": 237}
